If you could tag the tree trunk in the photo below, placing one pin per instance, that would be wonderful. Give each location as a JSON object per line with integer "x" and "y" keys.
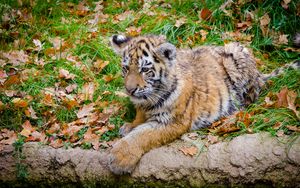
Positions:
{"x": 245, "y": 160}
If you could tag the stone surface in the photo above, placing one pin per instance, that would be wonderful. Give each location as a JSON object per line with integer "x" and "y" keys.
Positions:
{"x": 247, "y": 159}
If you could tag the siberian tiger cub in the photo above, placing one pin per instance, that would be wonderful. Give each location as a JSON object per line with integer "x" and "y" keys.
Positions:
{"x": 177, "y": 90}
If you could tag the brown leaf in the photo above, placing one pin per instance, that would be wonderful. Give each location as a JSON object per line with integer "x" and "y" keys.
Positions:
{"x": 55, "y": 127}
{"x": 99, "y": 65}
{"x": 36, "y": 136}
{"x": 264, "y": 22}
{"x": 191, "y": 151}
{"x": 205, "y": 14}
{"x": 108, "y": 78}
{"x": 30, "y": 112}
{"x": 291, "y": 100}
{"x": 133, "y": 31}
{"x": 70, "y": 103}
{"x": 16, "y": 57}
{"x": 92, "y": 138}
{"x": 293, "y": 128}
{"x": 66, "y": 74}
{"x": 180, "y": 22}
{"x": 212, "y": 139}
{"x": 3, "y": 76}
{"x": 280, "y": 133}
{"x": 269, "y": 102}
{"x": 203, "y": 35}
{"x": 282, "y": 98}
{"x": 284, "y": 3}
{"x": 20, "y": 103}
{"x": 27, "y": 129}
{"x": 71, "y": 88}
{"x": 283, "y": 39}
{"x": 7, "y": 137}
{"x": 58, "y": 143}
{"x": 193, "y": 136}
{"x": 87, "y": 91}
{"x": 12, "y": 80}
{"x": 277, "y": 125}
{"x": 85, "y": 110}
{"x": 48, "y": 100}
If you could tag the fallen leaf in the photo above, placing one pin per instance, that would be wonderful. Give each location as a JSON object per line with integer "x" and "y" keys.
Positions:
{"x": 277, "y": 125}
{"x": 212, "y": 139}
{"x": 291, "y": 98}
{"x": 193, "y": 136}
{"x": 55, "y": 127}
{"x": 66, "y": 74}
{"x": 203, "y": 34}
{"x": 58, "y": 143}
{"x": 16, "y": 57}
{"x": 30, "y": 112}
{"x": 120, "y": 94}
{"x": 92, "y": 138}
{"x": 99, "y": 65}
{"x": 269, "y": 102}
{"x": 180, "y": 22}
{"x": 38, "y": 44}
{"x": 205, "y": 14}
{"x": 20, "y": 103}
{"x": 85, "y": 110}
{"x": 280, "y": 133}
{"x": 122, "y": 17}
{"x": 108, "y": 78}
{"x": 3, "y": 76}
{"x": 48, "y": 100}
{"x": 133, "y": 31}
{"x": 264, "y": 22}
{"x": 285, "y": 3}
{"x": 87, "y": 91}
{"x": 293, "y": 128}
{"x": 70, "y": 103}
{"x": 27, "y": 129}
{"x": 71, "y": 88}
{"x": 36, "y": 136}
{"x": 191, "y": 151}
{"x": 7, "y": 137}
{"x": 282, "y": 98}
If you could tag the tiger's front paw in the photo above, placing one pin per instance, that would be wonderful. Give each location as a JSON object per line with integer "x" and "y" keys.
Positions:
{"x": 123, "y": 157}
{"x": 125, "y": 129}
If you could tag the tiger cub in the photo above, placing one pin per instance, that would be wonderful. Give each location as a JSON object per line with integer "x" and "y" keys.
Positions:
{"x": 177, "y": 90}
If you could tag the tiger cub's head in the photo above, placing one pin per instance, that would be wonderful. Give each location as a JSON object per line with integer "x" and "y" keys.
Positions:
{"x": 146, "y": 65}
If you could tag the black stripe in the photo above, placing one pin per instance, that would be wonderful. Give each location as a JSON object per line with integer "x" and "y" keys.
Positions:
{"x": 145, "y": 53}
{"x": 165, "y": 96}
{"x": 147, "y": 46}
{"x": 160, "y": 72}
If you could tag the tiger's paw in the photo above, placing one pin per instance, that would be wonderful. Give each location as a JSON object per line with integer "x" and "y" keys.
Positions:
{"x": 125, "y": 129}
{"x": 123, "y": 158}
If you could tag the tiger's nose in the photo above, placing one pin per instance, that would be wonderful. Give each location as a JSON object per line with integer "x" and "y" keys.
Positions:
{"x": 130, "y": 89}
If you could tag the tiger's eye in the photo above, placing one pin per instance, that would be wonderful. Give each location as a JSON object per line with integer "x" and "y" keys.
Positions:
{"x": 145, "y": 69}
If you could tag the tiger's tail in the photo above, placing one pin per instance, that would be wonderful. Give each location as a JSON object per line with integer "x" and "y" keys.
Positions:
{"x": 295, "y": 65}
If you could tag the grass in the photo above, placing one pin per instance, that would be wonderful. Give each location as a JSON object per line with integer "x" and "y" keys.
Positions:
{"x": 59, "y": 18}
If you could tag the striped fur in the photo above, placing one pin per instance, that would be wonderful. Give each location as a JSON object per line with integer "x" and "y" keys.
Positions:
{"x": 177, "y": 90}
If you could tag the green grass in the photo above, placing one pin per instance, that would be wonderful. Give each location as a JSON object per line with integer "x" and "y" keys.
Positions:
{"x": 47, "y": 23}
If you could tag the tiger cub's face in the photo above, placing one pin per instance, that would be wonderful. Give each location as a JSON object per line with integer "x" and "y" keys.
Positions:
{"x": 146, "y": 63}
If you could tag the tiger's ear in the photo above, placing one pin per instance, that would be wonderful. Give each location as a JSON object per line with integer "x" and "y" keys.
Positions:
{"x": 119, "y": 42}
{"x": 167, "y": 51}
